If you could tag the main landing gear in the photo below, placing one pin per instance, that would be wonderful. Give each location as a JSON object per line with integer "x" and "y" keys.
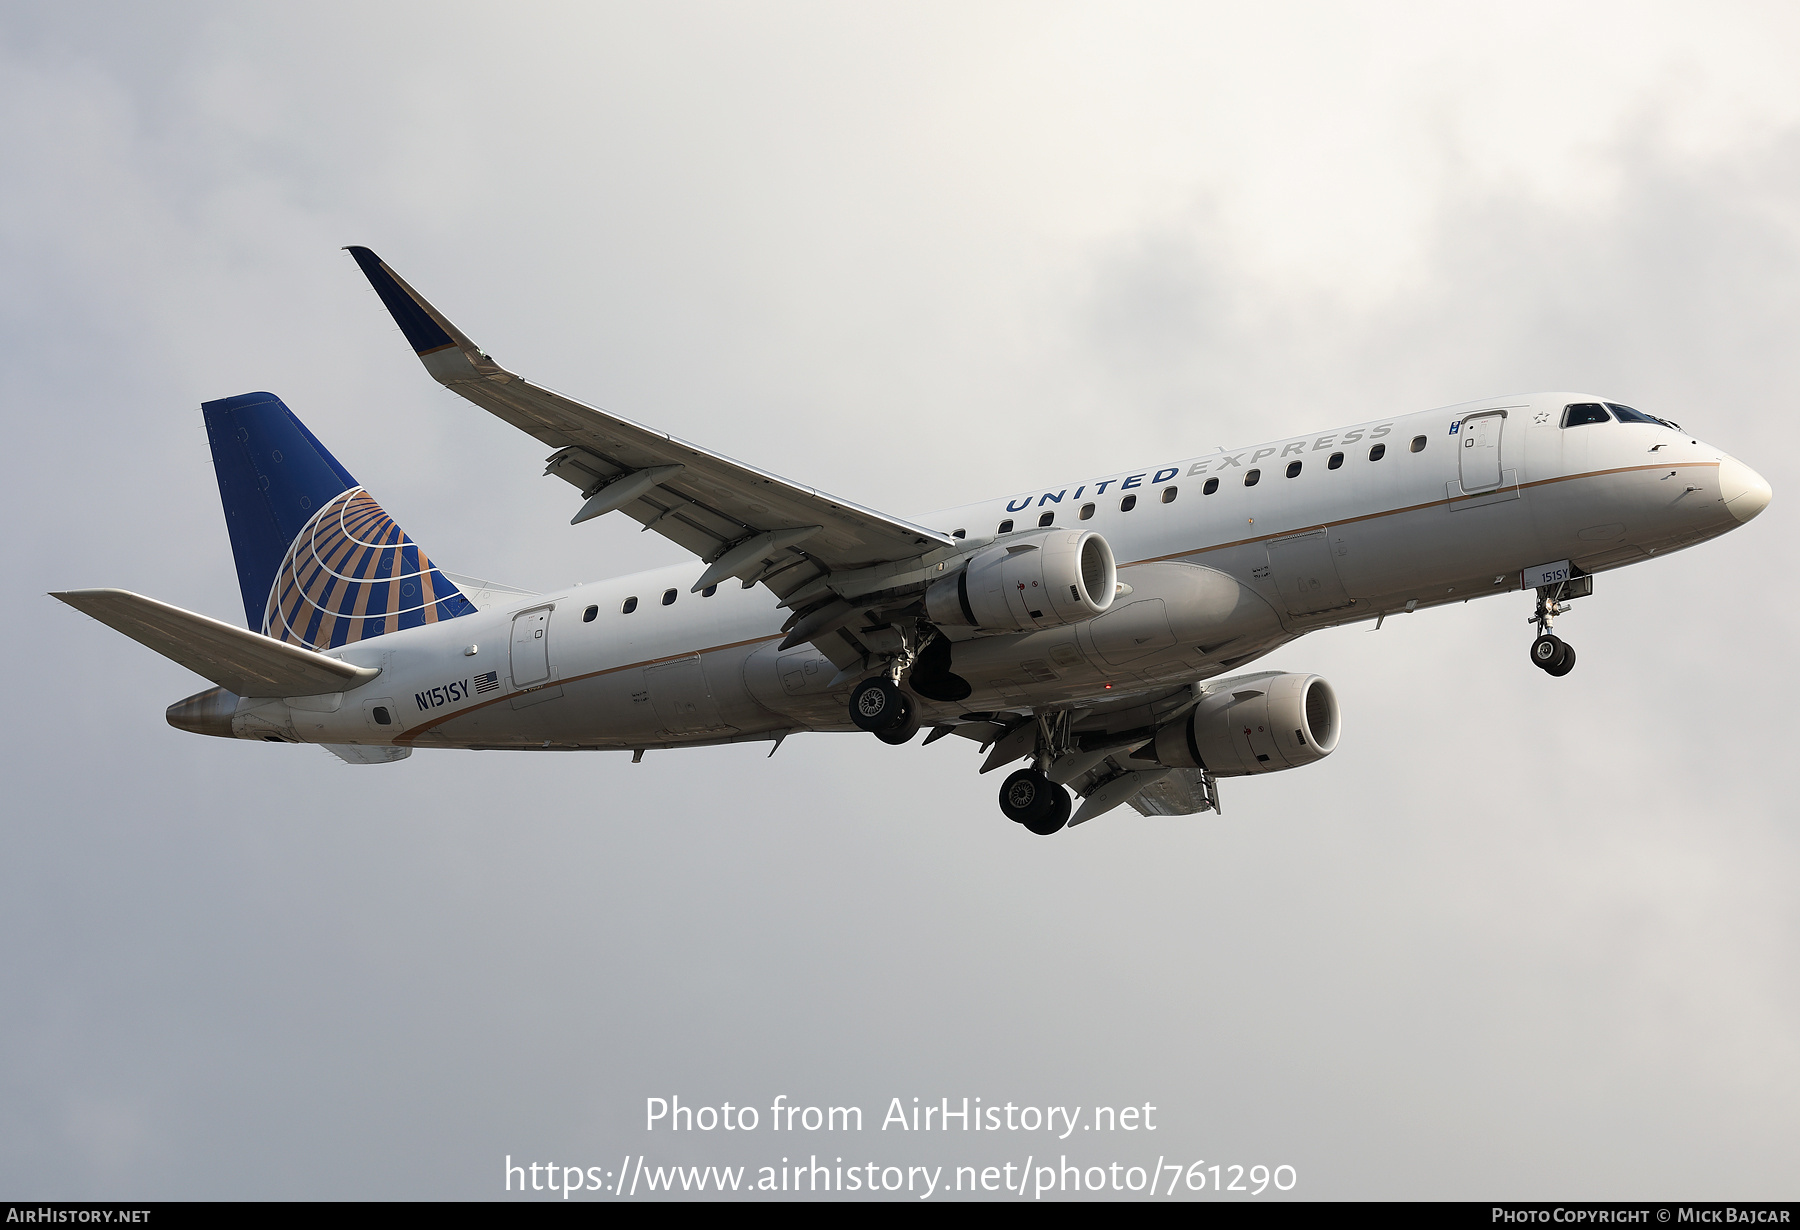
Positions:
{"x": 880, "y": 707}
{"x": 1029, "y": 798}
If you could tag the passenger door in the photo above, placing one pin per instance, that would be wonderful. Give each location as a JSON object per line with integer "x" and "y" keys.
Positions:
{"x": 1478, "y": 450}
{"x": 531, "y": 647}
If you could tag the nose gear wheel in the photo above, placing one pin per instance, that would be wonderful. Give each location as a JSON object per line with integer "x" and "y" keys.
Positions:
{"x": 1552, "y": 655}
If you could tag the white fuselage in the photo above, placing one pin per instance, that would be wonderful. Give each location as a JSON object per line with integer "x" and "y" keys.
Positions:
{"x": 1211, "y": 581}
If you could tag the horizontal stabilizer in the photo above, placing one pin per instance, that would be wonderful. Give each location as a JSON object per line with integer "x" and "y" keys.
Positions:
{"x": 238, "y": 660}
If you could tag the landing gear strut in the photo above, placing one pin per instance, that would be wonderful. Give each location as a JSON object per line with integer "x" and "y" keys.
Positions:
{"x": 1029, "y": 798}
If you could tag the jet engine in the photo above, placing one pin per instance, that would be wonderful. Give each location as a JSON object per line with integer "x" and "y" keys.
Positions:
{"x": 1028, "y": 582}
{"x": 1252, "y": 724}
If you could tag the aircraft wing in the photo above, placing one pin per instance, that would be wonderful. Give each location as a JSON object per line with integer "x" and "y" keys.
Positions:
{"x": 741, "y": 521}
{"x": 236, "y": 659}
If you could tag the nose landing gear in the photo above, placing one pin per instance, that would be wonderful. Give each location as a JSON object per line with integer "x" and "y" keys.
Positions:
{"x": 1549, "y": 652}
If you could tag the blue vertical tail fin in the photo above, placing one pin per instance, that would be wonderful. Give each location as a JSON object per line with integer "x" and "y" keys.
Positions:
{"x": 319, "y": 562}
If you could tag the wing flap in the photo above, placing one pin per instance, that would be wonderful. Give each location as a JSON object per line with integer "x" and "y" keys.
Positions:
{"x": 236, "y": 659}
{"x": 367, "y": 753}
{"x": 1181, "y": 793}
{"x": 1115, "y": 790}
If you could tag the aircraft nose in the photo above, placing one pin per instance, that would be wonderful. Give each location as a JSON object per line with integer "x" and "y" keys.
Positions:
{"x": 1744, "y": 491}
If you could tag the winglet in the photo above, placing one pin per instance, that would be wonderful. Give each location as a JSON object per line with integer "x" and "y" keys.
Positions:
{"x": 427, "y": 330}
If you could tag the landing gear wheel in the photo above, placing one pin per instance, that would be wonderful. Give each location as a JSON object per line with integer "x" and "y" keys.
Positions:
{"x": 877, "y": 704}
{"x": 904, "y": 727}
{"x": 1565, "y": 665}
{"x": 1061, "y": 806}
{"x": 1027, "y": 796}
{"x": 1547, "y": 651}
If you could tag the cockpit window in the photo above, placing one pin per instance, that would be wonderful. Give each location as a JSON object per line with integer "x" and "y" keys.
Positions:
{"x": 1625, "y": 414}
{"x": 1585, "y": 412}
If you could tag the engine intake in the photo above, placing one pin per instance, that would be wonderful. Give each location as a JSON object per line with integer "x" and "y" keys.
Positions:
{"x": 1253, "y": 724}
{"x": 1028, "y": 582}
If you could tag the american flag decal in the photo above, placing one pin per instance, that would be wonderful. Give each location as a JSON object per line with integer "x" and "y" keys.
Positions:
{"x": 489, "y": 682}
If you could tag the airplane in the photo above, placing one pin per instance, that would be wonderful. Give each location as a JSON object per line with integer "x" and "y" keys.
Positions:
{"x": 1082, "y": 627}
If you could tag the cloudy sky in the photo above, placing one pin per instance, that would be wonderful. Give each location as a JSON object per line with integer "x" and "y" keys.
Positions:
{"x": 1519, "y": 936}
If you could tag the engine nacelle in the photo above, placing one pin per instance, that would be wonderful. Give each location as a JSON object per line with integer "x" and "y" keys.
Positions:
{"x": 1028, "y": 582}
{"x": 1253, "y": 724}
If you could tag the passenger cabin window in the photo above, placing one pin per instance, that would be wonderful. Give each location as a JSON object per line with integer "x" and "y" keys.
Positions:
{"x": 1212, "y": 485}
{"x": 587, "y": 616}
{"x": 1583, "y": 413}
{"x": 382, "y": 716}
{"x": 1087, "y": 512}
{"x": 959, "y": 533}
{"x": 668, "y": 597}
{"x": 1005, "y": 527}
{"x": 709, "y": 591}
{"x": 1418, "y": 444}
{"x": 1128, "y": 503}
{"x": 1169, "y": 494}
{"x": 1252, "y": 478}
{"x": 1337, "y": 460}
{"x": 1378, "y": 452}
{"x": 1048, "y": 518}
{"x": 629, "y": 606}
{"x": 1293, "y": 469}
